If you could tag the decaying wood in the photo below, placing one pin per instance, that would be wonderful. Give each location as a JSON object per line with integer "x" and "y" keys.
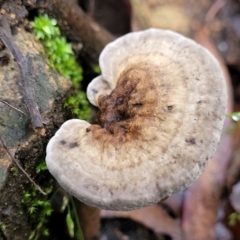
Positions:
{"x": 11, "y": 106}
{"x": 20, "y": 167}
{"x": 24, "y": 144}
{"x": 79, "y": 28}
{"x": 24, "y": 64}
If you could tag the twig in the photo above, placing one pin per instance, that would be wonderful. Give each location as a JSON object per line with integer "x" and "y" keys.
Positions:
{"x": 91, "y": 7}
{"x": 11, "y": 106}
{"x": 20, "y": 167}
{"x": 24, "y": 64}
{"x": 214, "y": 9}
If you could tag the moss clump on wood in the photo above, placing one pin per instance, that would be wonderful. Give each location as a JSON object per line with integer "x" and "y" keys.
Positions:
{"x": 61, "y": 58}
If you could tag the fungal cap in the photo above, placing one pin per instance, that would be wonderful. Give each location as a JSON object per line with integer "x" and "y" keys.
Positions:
{"x": 162, "y": 102}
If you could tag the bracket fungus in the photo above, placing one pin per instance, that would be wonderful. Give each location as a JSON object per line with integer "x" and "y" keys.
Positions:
{"x": 162, "y": 102}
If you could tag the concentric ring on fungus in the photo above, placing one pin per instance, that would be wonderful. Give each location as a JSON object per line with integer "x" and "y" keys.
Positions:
{"x": 162, "y": 101}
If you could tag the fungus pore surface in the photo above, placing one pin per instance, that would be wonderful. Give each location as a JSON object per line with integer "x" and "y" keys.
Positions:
{"x": 162, "y": 102}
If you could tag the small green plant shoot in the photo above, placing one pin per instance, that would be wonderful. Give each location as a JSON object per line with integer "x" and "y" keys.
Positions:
{"x": 233, "y": 218}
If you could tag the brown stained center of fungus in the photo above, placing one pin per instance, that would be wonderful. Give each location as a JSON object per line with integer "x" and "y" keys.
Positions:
{"x": 128, "y": 109}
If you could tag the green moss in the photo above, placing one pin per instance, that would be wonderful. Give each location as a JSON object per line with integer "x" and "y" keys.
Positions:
{"x": 14, "y": 171}
{"x": 37, "y": 206}
{"x": 61, "y": 58}
{"x": 41, "y": 167}
{"x": 79, "y": 105}
{"x": 96, "y": 69}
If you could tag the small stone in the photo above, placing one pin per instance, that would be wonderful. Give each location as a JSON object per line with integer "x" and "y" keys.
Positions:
{"x": 3, "y": 11}
{"x": 12, "y": 16}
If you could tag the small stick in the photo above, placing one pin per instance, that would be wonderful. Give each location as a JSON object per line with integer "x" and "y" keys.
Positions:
{"x": 11, "y": 106}
{"x": 214, "y": 9}
{"x": 24, "y": 64}
{"x": 20, "y": 167}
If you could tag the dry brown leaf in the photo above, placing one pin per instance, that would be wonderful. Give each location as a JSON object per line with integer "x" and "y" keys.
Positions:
{"x": 154, "y": 217}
